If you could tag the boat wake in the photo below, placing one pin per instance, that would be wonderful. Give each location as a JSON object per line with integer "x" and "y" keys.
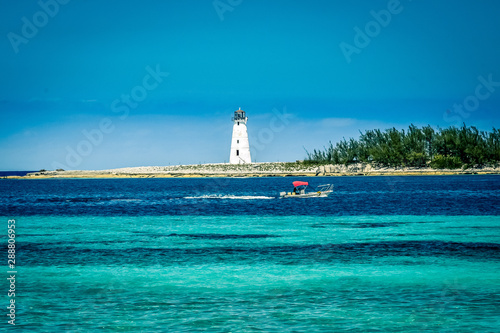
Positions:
{"x": 232, "y": 197}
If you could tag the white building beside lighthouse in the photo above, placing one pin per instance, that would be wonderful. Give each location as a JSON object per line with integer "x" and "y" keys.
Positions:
{"x": 240, "y": 147}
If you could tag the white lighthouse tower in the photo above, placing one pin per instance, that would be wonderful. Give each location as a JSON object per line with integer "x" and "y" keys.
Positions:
{"x": 240, "y": 147}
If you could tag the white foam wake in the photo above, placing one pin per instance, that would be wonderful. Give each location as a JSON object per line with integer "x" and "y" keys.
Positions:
{"x": 234, "y": 197}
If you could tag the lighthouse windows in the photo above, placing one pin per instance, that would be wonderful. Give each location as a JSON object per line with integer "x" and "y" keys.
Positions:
{"x": 237, "y": 141}
{"x": 238, "y": 123}
{"x": 237, "y": 153}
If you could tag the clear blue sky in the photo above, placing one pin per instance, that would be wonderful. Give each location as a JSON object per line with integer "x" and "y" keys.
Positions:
{"x": 67, "y": 68}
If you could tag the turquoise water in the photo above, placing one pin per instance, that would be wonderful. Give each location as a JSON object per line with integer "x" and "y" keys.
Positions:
{"x": 260, "y": 273}
{"x": 212, "y": 271}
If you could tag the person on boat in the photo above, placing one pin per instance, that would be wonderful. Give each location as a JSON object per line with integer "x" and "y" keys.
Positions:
{"x": 295, "y": 190}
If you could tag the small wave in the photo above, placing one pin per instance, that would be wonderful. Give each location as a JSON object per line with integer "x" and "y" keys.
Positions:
{"x": 84, "y": 199}
{"x": 221, "y": 236}
{"x": 233, "y": 197}
{"x": 127, "y": 200}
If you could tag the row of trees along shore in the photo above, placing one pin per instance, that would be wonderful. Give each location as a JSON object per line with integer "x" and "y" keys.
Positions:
{"x": 443, "y": 148}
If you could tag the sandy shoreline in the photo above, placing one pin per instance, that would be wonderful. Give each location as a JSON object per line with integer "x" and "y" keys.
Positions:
{"x": 276, "y": 169}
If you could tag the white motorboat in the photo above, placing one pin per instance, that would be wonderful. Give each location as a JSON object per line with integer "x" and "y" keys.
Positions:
{"x": 299, "y": 191}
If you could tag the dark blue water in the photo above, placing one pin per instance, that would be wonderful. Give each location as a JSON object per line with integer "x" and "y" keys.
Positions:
{"x": 422, "y": 195}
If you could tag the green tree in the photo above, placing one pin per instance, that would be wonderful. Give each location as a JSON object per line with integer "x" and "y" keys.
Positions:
{"x": 416, "y": 147}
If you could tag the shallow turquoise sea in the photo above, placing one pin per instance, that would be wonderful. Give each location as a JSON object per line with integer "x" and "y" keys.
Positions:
{"x": 113, "y": 267}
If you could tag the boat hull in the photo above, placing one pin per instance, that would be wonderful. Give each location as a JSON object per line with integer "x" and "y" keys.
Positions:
{"x": 318, "y": 194}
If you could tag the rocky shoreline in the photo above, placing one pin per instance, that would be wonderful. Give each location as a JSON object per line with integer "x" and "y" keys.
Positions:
{"x": 275, "y": 169}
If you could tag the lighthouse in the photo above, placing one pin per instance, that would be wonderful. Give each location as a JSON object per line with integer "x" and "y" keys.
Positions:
{"x": 240, "y": 147}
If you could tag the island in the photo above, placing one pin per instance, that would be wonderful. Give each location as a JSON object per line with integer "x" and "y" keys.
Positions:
{"x": 274, "y": 169}
{"x": 393, "y": 152}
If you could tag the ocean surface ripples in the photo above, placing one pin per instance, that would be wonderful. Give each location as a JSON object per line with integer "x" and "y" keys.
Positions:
{"x": 382, "y": 254}
{"x": 424, "y": 195}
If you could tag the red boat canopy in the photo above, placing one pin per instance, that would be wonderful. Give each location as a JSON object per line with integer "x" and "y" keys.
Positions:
{"x": 295, "y": 184}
